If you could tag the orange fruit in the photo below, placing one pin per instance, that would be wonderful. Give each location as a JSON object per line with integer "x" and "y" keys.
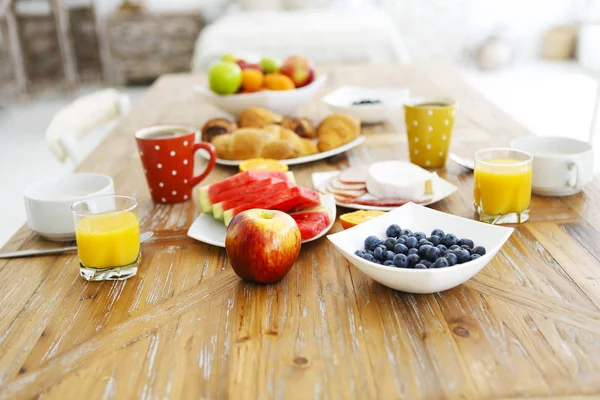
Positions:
{"x": 263, "y": 164}
{"x": 252, "y": 80}
{"x": 358, "y": 217}
{"x": 278, "y": 81}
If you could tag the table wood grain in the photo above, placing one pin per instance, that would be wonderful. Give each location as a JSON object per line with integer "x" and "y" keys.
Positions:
{"x": 528, "y": 325}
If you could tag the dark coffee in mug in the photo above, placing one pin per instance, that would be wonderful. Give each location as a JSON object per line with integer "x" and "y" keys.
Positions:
{"x": 165, "y": 134}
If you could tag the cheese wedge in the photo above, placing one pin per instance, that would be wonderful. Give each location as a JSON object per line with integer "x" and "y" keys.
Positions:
{"x": 400, "y": 180}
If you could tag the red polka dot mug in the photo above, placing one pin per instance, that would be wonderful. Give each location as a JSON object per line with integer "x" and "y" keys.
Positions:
{"x": 167, "y": 154}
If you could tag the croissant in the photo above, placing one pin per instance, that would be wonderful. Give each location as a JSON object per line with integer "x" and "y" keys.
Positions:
{"x": 279, "y": 150}
{"x": 222, "y": 145}
{"x": 248, "y": 143}
{"x": 336, "y": 130}
{"x": 302, "y": 126}
{"x": 258, "y": 117}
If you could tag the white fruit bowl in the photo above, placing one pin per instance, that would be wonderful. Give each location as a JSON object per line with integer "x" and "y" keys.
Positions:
{"x": 418, "y": 218}
{"x": 280, "y": 101}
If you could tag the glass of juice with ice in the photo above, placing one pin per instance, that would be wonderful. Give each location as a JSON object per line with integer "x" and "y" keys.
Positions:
{"x": 107, "y": 229}
{"x": 502, "y": 189}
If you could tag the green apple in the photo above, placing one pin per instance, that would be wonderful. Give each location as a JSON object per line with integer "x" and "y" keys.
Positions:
{"x": 224, "y": 77}
{"x": 270, "y": 64}
{"x": 229, "y": 57}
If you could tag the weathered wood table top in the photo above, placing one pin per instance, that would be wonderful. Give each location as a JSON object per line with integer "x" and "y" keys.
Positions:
{"x": 187, "y": 327}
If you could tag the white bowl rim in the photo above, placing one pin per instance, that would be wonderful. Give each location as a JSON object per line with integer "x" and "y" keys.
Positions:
{"x": 36, "y": 185}
{"x": 455, "y": 267}
{"x": 327, "y": 99}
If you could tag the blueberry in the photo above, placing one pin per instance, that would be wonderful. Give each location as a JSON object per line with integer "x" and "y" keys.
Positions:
{"x": 404, "y": 237}
{"x": 371, "y": 242}
{"x": 401, "y": 261}
{"x": 378, "y": 253}
{"x": 466, "y": 242}
{"x": 455, "y": 247}
{"x": 443, "y": 249}
{"x": 433, "y": 253}
{"x": 389, "y": 263}
{"x": 422, "y": 242}
{"x": 480, "y": 250}
{"x": 426, "y": 263}
{"x": 393, "y": 231}
{"x": 423, "y": 250}
{"x": 452, "y": 259}
{"x": 440, "y": 263}
{"x": 389, "y": 243}
{"x": 437, "y": 232}
{"x": 406, "y": 232}
{"x": 401, "y": 241}
{"x": 420, "y": 266}
{"x": 388, "y": 255}
{"x": 475, "y": 256}
{"x": 435, "y": 240}
{"x": 413, "y": 260}
{"x": 419, "y": 235}
{"x": 462, "y": 256}
{"x": 412, "y": 251}
{"x": 369, "y": 257}
{"x": 369, "y": 252}
{"x": 465, "y": 247}
{"x": 449, "y": 240}
{"x": 412, "y": 243}
{"x": 359, "y": 253}
{"x": 399, "y": 248}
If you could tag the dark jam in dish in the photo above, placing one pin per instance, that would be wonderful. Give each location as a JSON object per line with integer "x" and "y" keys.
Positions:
{"x": 365, "y": 101}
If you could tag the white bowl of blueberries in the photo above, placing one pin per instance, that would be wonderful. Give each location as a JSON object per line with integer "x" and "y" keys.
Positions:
{"x": 416, "y": 249}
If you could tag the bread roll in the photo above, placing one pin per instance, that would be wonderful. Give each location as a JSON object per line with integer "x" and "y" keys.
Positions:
{"x": 336, "y": 130}
{"x": 279, "y": 150}
{"x": 258, "y": 117}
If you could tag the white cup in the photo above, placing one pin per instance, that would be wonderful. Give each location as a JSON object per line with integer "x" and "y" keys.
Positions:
{"x": 561, "y": 166}
{"x": 48, "y": 203}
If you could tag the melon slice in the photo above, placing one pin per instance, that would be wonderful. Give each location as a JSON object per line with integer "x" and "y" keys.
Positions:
{"x": 311, "y": 223}
{"x": 295, "y": 198}
{"x": 250, "y": 193}
{"x": 213, "y": 193}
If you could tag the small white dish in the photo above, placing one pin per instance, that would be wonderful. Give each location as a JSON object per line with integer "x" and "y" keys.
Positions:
{"x": 419, "y": 218}
{"x": 209, "y": 230}
{"x": 48, "y": 203}
{"x": 561, "y": 166}
{"x": 391, "y": 101}
{"x": 443, "y": 190}
{"x": 301, "y": 160}
{"x": 279, "y": 101}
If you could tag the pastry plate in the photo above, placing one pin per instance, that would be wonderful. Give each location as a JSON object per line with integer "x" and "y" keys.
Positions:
{"x": 444, "y": 189}
{"x": 300, "y": 160}
{"x": 209, "y": 230}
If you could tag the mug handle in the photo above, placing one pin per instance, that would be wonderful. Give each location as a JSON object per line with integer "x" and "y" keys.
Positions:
{"x": 211, "y": 163}
{"x": 573, "y": 180}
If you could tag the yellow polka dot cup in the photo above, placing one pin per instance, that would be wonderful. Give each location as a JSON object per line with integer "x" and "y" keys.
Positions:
{"x": 429, "y": 122}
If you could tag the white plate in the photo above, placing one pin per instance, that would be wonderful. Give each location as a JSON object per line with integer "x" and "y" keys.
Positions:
{"x": 209, "y": 230}
{"x": 279, "y": 101}
{"x": 443, "y": 190}
{"x": 300, "y": 160}
{"x": 391, "y": 102}
{"x": 423, "y": 219}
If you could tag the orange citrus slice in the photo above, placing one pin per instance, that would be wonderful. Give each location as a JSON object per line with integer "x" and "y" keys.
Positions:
{"x": 358, "y": 217}
{"x": 263, "y": 164}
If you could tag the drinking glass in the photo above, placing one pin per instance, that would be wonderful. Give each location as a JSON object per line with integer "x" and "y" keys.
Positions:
{"x": 502, "y": 189}
{"x": 107, "y": 229}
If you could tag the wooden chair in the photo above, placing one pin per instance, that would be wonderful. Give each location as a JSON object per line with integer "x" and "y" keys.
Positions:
{"x": 78, "y": 128}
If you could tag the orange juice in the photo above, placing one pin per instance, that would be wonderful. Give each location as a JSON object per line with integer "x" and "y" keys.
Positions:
{"x": 109, "y": 240}
{"x": 503, "y": 186}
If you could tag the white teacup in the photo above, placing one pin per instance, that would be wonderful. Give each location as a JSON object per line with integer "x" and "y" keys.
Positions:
{"x": 48, "y": 203}
{"x": 561, "y": 166}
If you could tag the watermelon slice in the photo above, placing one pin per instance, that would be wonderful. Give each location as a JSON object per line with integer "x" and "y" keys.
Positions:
{"x": 295, "y": 198}
{"x": 250, "y": 193}
{"x": 311, "y": 223}
{"x": 211, "y": 194}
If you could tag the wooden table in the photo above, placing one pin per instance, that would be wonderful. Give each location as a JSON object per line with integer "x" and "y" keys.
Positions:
{"x": 187, "y": 327}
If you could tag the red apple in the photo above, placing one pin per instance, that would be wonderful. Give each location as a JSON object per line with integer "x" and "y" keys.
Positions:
{"x": 262, "y": 245}
{"x": 246, "y": 65}
{"x": 300, "y": 69}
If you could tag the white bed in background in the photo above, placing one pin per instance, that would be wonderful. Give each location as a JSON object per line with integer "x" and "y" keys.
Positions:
{"x": 354, "y": 34}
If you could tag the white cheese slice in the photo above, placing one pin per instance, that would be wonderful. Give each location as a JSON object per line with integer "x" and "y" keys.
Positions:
{"x": 400, "y": 180}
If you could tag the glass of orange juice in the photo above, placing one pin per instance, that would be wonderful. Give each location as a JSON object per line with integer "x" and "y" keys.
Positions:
{"x": 502, "y": 185}
{"x": 107, "y": 229}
